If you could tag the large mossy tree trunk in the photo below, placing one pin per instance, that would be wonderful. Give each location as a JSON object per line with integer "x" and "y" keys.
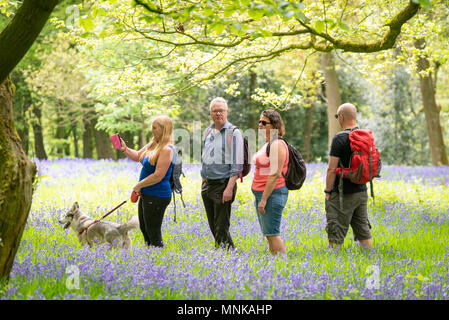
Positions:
{"x": 17, "y": 176}
{"x": 333, "y": 95}
{"x": 17, "y": 173}
{"x": 431, "y": 110}
{"x": 21, "y": 108}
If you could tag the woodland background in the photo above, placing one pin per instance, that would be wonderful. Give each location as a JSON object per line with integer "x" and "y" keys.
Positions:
{"x": 95, "y": 70}
{"x": 74, "y": 72}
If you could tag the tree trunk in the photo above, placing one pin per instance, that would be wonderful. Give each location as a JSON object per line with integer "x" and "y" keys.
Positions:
{"x": 87, "y": 137}
{"x": 431, "y": 110}
{"x": 103, "y": 144}
{"x": 21, "y": 107}
{"x": 308, "y": 126}
{"x": 58, "y": 141}
{"x": 17, "y": 173}
{"x": 39, "y": 147}
{"x": 24, "y": 133}
{"x": 333, "y": 95}
{"x": 75, "y": 140}
{"x": 253, "y": 114}
{"x": 143, "y": 134}
{"x": 17, "y": 176}
{"x": 129, "y": 140}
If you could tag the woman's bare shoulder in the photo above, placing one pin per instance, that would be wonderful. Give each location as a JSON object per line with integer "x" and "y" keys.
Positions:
{"x": 167, "y": 151}
{"x": 167, "y": 148}
{"x": 280, "y": 144}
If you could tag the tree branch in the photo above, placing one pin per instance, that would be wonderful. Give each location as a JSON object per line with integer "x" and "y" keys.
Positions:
{"x": 22, "y": 31}
{"x": 386, "y": 42}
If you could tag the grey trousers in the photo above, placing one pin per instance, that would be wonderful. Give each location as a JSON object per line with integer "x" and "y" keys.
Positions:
{"x": 354, "y": 214}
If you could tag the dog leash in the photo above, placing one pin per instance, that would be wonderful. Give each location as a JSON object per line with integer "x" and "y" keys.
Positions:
{"x": 96, "y": 221}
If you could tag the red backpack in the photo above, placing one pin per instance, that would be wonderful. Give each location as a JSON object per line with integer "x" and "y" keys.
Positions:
{"x": 365, "y": 163}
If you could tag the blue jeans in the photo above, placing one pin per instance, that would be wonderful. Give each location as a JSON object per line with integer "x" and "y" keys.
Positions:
{"x": 270, "y": 222}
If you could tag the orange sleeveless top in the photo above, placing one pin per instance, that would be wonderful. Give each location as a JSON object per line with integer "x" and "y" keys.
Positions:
{"x": 262, "y": 169}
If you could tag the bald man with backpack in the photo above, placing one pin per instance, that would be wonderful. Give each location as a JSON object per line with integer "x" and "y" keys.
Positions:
{"x": 353, "y": 161}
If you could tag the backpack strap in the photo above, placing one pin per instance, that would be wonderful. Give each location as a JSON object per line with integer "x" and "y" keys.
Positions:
{"x": 174, "y": 204}
{"x": 340, "y": 182}
{"x": 174, "y": 154}
{"x": 182, "y": 200}
{"x": 371, "y": 176}
{"x": 233, "y": 127}
{"x": 269, "y": 145}
{"x": 268, "y": 151}
{"x": 208, "y": 130}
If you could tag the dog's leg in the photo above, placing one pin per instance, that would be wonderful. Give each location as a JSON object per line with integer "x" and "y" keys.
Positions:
{"x": 113, "y": 238}
{"x": 89, "y": 238}
{"x": 126, "y": 242}
{"x": 82, "y": 239}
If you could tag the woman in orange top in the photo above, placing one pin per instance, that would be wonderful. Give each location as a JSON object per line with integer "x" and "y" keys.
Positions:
{"x": 268, "y": 185}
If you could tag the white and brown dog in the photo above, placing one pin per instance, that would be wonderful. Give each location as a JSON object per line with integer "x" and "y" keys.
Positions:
{"x": 102, "y": 231}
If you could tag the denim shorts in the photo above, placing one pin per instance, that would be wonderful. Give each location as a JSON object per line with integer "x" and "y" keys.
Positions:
{"x": 270, "y": 222}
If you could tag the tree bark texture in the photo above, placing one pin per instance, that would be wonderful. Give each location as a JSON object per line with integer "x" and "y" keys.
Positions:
{"x": 103, "y": 144}
{"x": 128, "y": 137}
{"x": 87, "y": 137}
{"x": 39, "y": 147}
{"x": 333, "y": 95}
{"x": 21, "y": 107}
{"x": 17, "y": 175}
{"x": 24, "y": 132}
{"x": 75, "y": 140}
{"x": 431, "y": 110}
{"x": 254, "y": 114}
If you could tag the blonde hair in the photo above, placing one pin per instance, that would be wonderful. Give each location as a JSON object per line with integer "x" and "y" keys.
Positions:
{"x": 155, "y": 147}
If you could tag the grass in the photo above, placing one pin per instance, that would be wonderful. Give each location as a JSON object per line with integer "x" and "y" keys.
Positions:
{"x": 409, "y": 225}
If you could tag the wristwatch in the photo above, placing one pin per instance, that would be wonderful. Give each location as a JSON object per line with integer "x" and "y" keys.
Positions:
{"x": 326, "y": 191}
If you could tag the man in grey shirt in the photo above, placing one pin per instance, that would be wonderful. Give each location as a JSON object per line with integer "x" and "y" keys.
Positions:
{"x": 222, "y": 163}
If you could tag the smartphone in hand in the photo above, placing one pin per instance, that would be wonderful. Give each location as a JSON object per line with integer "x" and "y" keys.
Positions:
{"x": 116, "y": 141}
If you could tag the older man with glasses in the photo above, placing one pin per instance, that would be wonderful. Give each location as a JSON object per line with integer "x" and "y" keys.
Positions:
{"x": 222, "y": 163}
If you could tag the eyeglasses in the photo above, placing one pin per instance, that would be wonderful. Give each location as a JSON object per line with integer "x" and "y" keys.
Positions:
{"x": 216, "y": 111}
{"x": 337, "y": 115}
{"x": 263, "y": 122}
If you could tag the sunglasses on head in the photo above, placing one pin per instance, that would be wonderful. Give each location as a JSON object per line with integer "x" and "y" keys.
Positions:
{"x": 263, "y": 122}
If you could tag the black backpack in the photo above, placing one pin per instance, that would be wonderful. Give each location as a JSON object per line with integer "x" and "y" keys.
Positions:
{"x": 246, "y": 165}
{"x": 175, "y": 182}
{"x": 296, "y": 169}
